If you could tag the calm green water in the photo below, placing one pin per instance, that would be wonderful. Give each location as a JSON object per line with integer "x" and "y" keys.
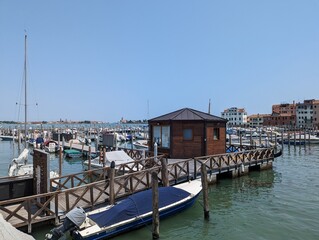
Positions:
{"x": 282, "y": 203}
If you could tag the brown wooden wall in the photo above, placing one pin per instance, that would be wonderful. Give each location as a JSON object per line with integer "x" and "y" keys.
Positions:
{"x": 187, "y": 149}
{"x": 215, "y": 146}
{"x": 181, "y": 149}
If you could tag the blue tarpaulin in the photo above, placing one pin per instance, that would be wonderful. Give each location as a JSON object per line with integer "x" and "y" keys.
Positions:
{"x": 137, "y": 204}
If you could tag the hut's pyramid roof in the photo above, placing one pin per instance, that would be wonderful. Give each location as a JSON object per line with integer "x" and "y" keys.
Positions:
{"x": 188, "y": 114}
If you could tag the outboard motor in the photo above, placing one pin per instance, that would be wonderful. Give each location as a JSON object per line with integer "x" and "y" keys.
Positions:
{"x": 73, "y": 220}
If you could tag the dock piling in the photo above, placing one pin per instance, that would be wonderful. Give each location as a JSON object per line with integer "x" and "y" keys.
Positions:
{"x": 164, "y": 172}
{"x": 155, "y": 228}
{"x": 205, "y": 191}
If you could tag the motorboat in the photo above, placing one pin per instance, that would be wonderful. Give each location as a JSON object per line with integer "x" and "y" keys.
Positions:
{"x": 118, "y": 156}
{"x": 136, "y": 211}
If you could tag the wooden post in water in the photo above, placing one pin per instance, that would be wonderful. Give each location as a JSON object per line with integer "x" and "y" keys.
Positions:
{"x": 155, "y": 229}
{"x": 205, "y": 191}
{"x": 295, "y": 136}
{"x": 164, "y": 172}
{"x": 104, "y": 156}
{"x": 111, "y": 177}
{"x": 304, "y": 135}
{"x": 19, "y": 140}
{"x": 282, "y": 139}
{"x": 309, "y": 137}
{"x": 299, "y": 136}
{"x": 229, "y": 139}
{"x": 89, "y": 165}
{"x": 241, "y": 141}
{"x": 251, "y": 137}
{"x": 259, "y": 137}
{"x": 60, "y": 161}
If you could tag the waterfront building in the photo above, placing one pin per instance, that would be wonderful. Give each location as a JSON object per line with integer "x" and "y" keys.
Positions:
{"x": 316, "y": 114}
{"x": 188, "y": 133}
{"x": 284, "y": 108}
{"x": 256, "y": 120}
{"x": 305, "y": 114}
{"x": 280, "y": 120}
{"x": 235, "y": 116}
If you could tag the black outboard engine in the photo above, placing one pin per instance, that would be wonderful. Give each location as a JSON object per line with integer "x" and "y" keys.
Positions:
{"x": 72, "y": 221}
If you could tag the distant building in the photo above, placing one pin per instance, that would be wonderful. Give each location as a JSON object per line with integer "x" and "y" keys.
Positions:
{"x": 316, "y": 114}
{"x": 256, "y": 120}
{"x": 235, "y": 116}
{"x": 305, "y": 114}
{"x": 280, "y": 120}
{"x": 284, "y": 108}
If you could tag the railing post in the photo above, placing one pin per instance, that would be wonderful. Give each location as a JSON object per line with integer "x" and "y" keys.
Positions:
{"x": 60, "y": 160}
{"x": 195, "y": 168}
{"x": 29, "y": 217}
{"x": 112, "y": 175}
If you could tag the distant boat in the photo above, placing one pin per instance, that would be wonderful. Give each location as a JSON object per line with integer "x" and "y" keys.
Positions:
{"x": 51, "y": 146}
{"x": 136, "y": 211}
{"x": 140, "y": 144}
{"x": 119, "y": 157}
{"x": 72, "y": 153}
{"x": 7, "y": 138}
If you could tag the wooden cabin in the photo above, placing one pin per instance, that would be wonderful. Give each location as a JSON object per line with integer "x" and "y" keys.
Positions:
{"x": 188, "y": 133}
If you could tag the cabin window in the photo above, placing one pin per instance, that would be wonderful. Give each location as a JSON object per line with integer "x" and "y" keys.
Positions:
{"x": 187, "y": 134}
{"x": 165, "y": 136}
{"x": 216, "y": 133}
{"x": 161, "y": 135}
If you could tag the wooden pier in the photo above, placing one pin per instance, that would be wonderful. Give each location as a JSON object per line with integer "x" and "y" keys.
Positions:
{"x": 91, "y": 189}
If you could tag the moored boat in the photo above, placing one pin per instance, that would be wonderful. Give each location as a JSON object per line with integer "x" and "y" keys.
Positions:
{"x": 119, "y": 157}
{"x": 72, "y": 153}
{"x": 136, "y": 211}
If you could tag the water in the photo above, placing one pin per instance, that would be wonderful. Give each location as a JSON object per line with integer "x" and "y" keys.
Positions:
{"x": 282, "y": 203}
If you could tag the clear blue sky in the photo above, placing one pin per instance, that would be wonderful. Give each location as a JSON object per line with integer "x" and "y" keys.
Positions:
{"x": 103, "y": 60}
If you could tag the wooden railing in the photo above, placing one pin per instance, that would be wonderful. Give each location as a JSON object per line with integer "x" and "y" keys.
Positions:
{"x": 33, "y": 209}
{"x": 82, "y": 178}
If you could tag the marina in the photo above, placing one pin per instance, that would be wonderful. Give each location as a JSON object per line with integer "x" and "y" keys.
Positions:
{"x": 176, "y": 170}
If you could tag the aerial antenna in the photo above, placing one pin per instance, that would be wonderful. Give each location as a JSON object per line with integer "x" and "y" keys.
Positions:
{"x": 209, "y": 107}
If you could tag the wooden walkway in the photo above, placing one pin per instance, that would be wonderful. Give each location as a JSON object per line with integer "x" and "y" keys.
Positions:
{"x": 92, "y": 188}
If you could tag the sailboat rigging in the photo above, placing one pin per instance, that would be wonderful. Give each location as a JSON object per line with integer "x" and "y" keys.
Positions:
{"x": 19, "y": 166}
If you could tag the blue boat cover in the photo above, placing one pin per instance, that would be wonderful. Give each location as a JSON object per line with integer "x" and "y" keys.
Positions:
{"x": 138, "y": 204}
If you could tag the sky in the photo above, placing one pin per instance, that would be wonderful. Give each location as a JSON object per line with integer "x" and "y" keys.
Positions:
{"x": 103, "y": 60}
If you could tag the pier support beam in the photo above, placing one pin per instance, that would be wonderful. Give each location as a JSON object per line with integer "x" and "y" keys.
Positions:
{"x": 265, "y": 166}
{"x": 240, "y": 171}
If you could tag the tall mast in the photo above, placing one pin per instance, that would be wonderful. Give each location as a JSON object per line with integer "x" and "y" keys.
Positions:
{"x": 25, "y": 90}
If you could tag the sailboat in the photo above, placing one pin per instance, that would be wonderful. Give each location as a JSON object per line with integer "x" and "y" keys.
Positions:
{"x": 19, "y": 165}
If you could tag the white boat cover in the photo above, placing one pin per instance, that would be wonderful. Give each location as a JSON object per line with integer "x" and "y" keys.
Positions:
{"x": 22, "y": 157}
{"x": 119, "y": 157}
{"x": 8, "y": 232}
